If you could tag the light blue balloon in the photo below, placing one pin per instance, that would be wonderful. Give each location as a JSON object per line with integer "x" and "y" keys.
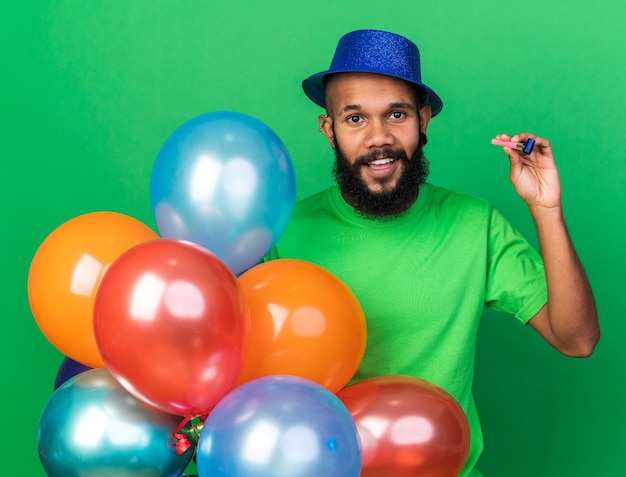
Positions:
{"x": 92, "y": 427}
{"x": 224, "y": 180}
{"x": 279, "y": 426}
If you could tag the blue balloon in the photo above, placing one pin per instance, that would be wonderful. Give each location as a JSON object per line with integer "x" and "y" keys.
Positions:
{"x": 224, "y": 180}
{"x": 279, "y": 426}
{"x": 68, "y": 369}
{"x": 92, "y": 426}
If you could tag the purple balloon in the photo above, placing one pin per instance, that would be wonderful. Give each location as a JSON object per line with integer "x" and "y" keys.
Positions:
{"x": 68, "y": 369}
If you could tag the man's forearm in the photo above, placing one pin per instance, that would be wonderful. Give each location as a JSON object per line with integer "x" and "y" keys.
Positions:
{"x": 571, "y": 310}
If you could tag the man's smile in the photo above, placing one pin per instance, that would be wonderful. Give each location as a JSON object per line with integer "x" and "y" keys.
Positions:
{"x": 381, "y": 166}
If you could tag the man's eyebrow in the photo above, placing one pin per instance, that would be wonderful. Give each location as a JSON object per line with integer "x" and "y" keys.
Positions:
{"x": 395, "y": 105}
{"x": 351, "y": 107}
{"x": 401, "y": 105}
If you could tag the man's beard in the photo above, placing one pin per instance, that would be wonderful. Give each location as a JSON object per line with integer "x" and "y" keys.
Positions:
{"x": 389, "y": 201}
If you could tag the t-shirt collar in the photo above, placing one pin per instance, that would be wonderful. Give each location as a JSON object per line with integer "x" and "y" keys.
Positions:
{"x": 349, "y": 213}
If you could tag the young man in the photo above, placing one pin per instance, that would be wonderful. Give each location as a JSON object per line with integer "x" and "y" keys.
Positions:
{"x": 424, "y": 261}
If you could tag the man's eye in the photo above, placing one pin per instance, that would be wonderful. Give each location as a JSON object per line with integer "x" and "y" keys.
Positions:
{"x": 397, "y": 115}
{"x": 354, "y": 119}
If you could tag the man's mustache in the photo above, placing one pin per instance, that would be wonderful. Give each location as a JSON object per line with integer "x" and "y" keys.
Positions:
{"x": 382, "y": 153}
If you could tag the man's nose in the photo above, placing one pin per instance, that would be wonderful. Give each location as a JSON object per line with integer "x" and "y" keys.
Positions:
{"x": 378, "y": 134}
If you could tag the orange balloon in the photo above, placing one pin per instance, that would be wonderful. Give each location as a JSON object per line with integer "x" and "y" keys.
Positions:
{"x": 66, "y": 271}
{"x": 305, "y": 322}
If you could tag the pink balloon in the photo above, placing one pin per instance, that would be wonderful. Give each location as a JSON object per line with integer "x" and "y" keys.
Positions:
{"x": 408, "y": 427}
{"x": 171, "y": 325}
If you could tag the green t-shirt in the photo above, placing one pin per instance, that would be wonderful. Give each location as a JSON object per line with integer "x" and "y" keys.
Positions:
{"x": 422, "y": 279}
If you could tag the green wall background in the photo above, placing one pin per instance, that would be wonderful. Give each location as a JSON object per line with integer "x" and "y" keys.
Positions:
{"x": 90, "y": 91}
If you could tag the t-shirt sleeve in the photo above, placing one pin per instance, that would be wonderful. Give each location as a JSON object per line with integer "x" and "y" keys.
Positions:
{"x": 516, "y": 281}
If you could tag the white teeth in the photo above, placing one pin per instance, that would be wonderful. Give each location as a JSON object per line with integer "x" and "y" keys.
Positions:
{"x": 380, "y": 162}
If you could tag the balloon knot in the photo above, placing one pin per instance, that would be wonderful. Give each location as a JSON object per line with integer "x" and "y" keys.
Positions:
{"x": 187, "y": 433}
{"x": 181, "y": 443}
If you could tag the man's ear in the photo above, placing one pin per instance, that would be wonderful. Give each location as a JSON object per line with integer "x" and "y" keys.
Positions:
{"x": 326, "y": 127}
{"x": 425, "y": 113}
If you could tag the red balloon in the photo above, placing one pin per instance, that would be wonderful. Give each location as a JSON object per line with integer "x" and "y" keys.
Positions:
{"x": 408, "y": 427}
{"x": 171, "y": 326}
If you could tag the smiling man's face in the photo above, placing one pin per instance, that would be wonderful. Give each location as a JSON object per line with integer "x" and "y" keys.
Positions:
{"x": 374, "y": 125}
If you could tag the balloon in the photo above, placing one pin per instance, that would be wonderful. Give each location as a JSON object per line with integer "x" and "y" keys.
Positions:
{"x": 279, "y": 426}
{"x": 65, "y": 274}
{"x": 224, "y": 180}
{"x": 170, "y": 324}
{"x": 92, "y": 426}
{"x": 408, "y": 426}
{"x": 305, "y": 322}
{"x": 68, "y": 369}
